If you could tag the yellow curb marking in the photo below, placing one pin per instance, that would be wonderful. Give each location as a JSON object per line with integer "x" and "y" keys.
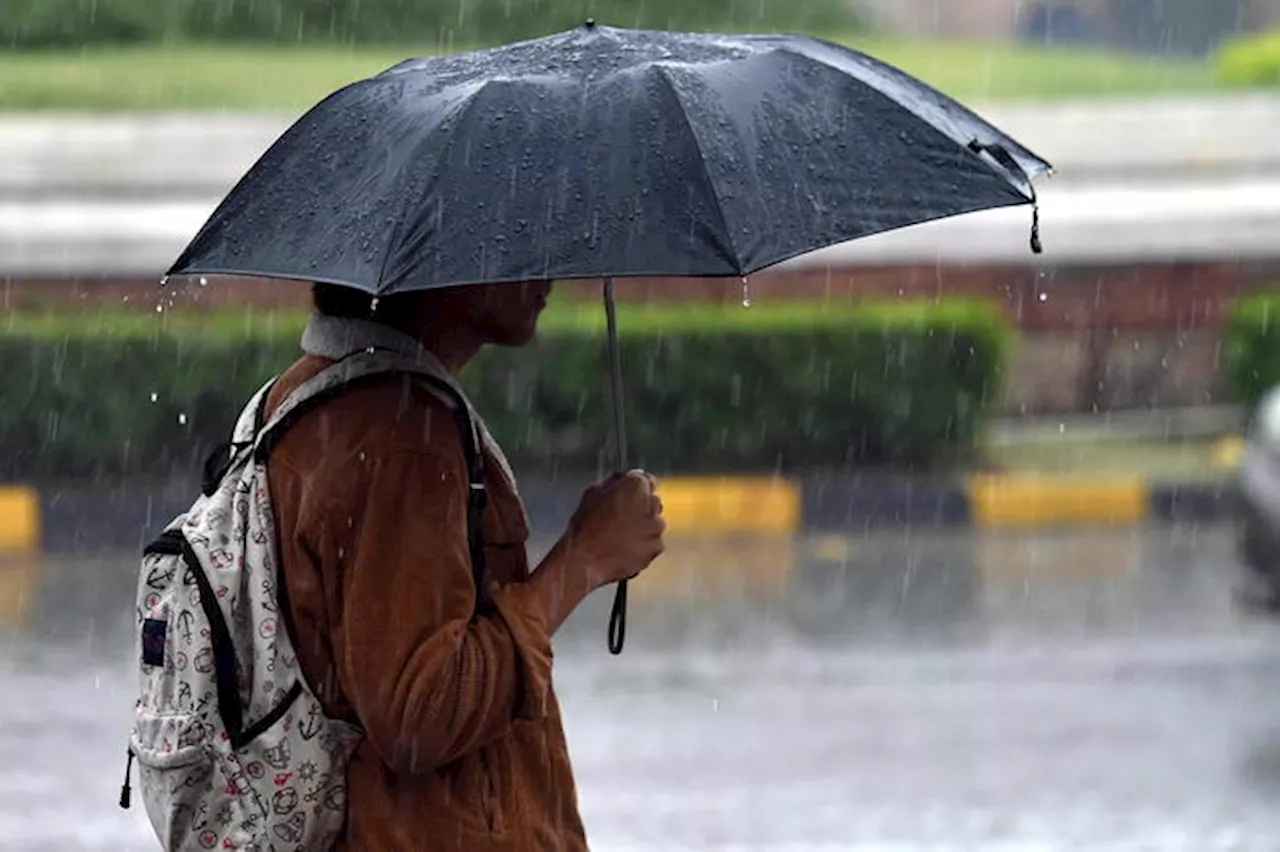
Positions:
{"x": 1029, "y": 501}
{"x": 19, "y": 520}
{"x": 730, "y": 505}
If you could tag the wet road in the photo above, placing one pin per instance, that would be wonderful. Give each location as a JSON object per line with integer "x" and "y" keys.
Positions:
{"x": 1084, "y": 691}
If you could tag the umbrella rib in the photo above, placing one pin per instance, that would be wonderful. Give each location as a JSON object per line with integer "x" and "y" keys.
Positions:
{"x": 702, "y": 159}
{"x": 870, "y": 84}
{"x": 393, "y": 244}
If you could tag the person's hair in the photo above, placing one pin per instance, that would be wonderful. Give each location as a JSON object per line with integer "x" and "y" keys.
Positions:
{"x": 335, "y": 300}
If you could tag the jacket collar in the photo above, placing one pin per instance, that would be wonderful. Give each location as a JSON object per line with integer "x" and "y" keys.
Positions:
{"x": 336, "y": 337}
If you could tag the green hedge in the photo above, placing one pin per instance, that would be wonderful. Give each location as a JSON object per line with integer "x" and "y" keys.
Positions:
{"x": 45, "y": 23}
{"x": 70, "y": 23}
{"x": 786, "y": 387}
{"x": 1251, "y": 61}
{"x": 1251, "y": 346}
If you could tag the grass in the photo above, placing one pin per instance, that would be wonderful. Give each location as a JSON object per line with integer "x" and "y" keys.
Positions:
{"x": 1003, "y": 72}
{"x": 212, "y": 77}
{"x": 196, "y": 77}
{"x": 226, "y": 326}
{"x": 563, "y": 315}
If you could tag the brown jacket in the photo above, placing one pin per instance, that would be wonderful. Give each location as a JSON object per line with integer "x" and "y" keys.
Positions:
{"x": 464, "y": 747}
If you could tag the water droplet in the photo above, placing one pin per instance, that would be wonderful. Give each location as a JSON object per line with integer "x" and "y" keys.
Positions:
{"x": 154, "y": 396}
{"x": 159, "y": 309}
{"x": 204, "y": 282}
{"x": 1044, "y": 297}
{"x": 182, "y": 420}
{"x": 373, "y": 305}
{"x": 746, "y": 294}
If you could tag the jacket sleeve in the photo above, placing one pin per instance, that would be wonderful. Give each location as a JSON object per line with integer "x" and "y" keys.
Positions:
{"x": 427, "y": 681}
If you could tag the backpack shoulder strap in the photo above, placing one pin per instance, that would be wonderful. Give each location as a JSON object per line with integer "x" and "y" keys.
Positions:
{"x": 367, "y": 365}
{"x": 242, "y": 437}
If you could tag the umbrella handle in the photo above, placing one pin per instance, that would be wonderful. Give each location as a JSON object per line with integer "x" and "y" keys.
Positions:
{"x": 618, "y": 616}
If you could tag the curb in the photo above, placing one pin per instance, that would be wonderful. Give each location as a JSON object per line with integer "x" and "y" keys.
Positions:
{"x": 998, "y": 502}
{"x": 20, "y": 518}
{"x": 1017, "y": 502}
{"x": 62, "y": 520}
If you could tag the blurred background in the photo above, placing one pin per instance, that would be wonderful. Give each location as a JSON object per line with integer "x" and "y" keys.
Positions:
{"x": 971, "y": 548}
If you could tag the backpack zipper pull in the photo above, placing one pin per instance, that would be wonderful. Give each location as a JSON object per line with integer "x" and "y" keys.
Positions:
{"x": 126, "y": 791}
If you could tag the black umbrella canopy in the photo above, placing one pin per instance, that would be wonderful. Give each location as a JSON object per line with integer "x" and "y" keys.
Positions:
{"x": 603, "y": 152}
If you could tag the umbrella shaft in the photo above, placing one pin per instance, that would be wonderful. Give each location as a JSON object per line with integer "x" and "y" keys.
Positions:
{"x": 618, "y": 616}
{"x": 615, "y": 378}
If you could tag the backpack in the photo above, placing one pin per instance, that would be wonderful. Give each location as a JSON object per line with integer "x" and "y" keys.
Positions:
{"x": 233, "y": 748}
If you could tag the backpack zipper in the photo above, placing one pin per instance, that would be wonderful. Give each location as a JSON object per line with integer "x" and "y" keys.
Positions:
{"x": 126, "y": 790}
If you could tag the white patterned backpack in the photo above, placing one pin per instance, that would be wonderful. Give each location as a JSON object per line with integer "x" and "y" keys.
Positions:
{"x": 233, "y": 748}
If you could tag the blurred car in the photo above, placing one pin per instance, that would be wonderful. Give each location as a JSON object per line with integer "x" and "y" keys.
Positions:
{"x": 1057, "y": 22}
{"x": 1258, "y": 493}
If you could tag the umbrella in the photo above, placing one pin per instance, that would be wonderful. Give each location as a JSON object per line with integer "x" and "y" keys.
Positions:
{"x": 603, "y": 153}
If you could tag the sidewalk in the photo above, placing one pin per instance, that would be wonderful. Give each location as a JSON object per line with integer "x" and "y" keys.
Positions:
{"x": 1190, "y": 445}
{"x": 1190, "y": 462}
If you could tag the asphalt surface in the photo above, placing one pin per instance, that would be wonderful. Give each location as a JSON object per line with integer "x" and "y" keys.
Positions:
{"x": 906, "y": 692}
